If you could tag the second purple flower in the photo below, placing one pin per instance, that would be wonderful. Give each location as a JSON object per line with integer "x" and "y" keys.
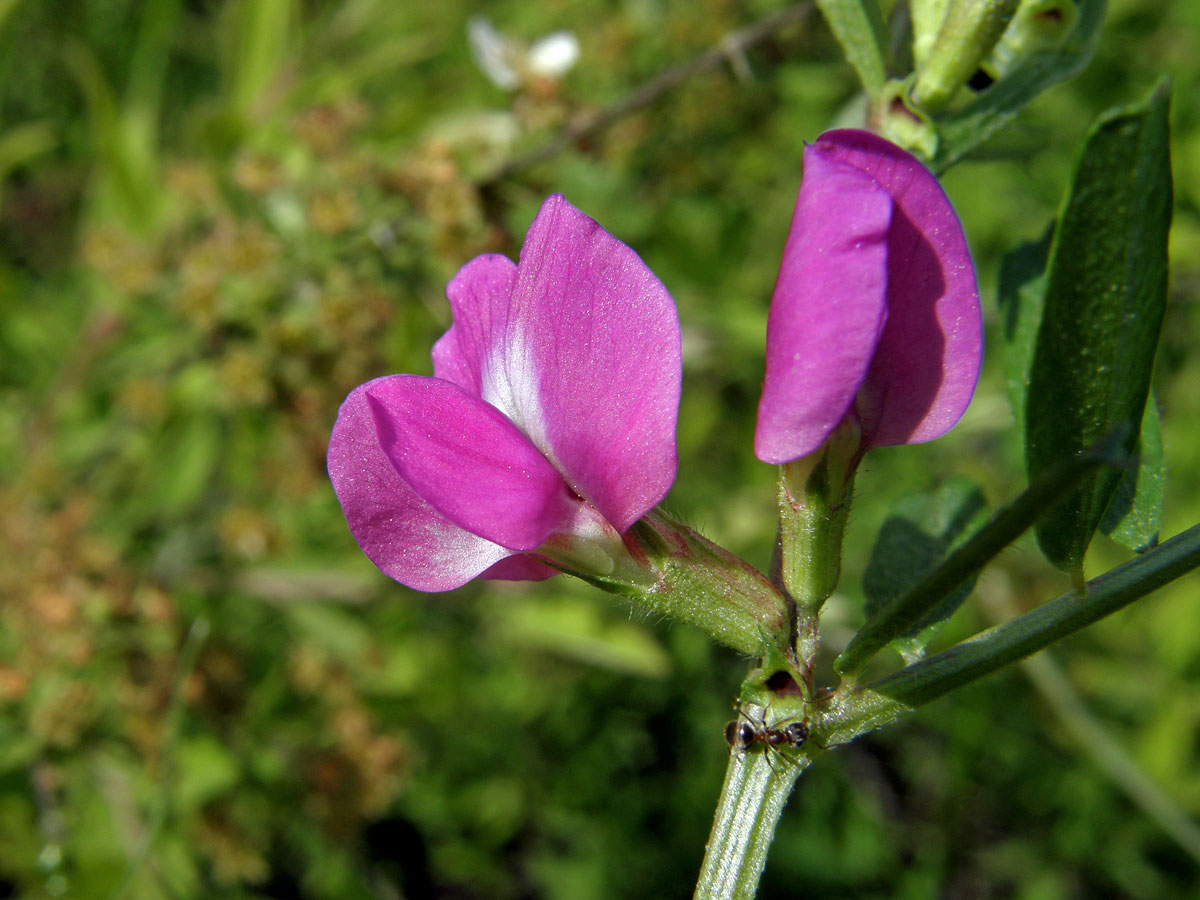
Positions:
{"x": 875, "y": 316}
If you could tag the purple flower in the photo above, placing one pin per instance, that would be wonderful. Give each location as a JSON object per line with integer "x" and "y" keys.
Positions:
{"x": 547, "y": 430}
{"x": 875, "y": 317}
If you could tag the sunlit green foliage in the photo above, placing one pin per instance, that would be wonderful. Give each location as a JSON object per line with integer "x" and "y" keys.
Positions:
{"x": 218, "y": 217}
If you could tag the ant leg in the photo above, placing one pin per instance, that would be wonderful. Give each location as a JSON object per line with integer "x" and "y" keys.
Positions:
{"x": 767, "y": 751}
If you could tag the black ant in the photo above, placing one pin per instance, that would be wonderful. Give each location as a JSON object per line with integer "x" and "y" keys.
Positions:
{"x": 744, "y": 732}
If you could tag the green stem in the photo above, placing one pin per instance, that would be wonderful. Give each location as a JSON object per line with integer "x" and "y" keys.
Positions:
{"x": 814, "y": 502}
{"x": 899, "y": 616}
{"x": 758, "y": 781}
{"x": 757, "y": 785}
{"x": 997, "y": 647}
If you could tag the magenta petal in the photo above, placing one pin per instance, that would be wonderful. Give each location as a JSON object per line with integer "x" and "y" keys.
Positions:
{"x": 591, "y": 368}
{"x": 479, "y": 301}
{"x": 828, "y": 309}
{"x": 401, "y": 533}
{"x": 469, "y": 462}
{"x": 927, "y": 362}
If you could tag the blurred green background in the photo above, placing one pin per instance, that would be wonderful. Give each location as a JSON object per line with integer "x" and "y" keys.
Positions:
{"x": 218, "y": 217}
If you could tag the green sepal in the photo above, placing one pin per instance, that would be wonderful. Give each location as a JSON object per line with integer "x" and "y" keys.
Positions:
{"x": 686, "y": 577}
{"x": 903, "y": 122}
{"x": 814, "y": 494}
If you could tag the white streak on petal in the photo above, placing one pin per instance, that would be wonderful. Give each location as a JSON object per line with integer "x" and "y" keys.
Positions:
{"x": 509, "y": 382}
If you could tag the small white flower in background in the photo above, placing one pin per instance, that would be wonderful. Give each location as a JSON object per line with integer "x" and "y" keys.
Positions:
{"x": 509, "y": 62}
{"x": 554, "y": 54}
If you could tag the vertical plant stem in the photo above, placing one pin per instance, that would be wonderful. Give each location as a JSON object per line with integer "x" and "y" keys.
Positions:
{"x": 757, "y": 785}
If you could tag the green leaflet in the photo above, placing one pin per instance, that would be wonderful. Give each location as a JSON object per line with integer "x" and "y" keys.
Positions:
{"x": 917, "y": 604}
{"x": 858, "y": 26}
{"x": 1134, "y": 514}
{"x": 919, "y": 534}
{"x": 1106, "y": 290}
{"x": 1021, "y": 292}
{"x": 1135, "y": 511}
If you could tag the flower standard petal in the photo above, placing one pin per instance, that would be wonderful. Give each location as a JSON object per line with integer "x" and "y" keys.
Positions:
{"x": 400, "y": 532}
{"x": 927, "y": 361}
{"x": 828, "y": 309}
{"x": 592, "y": 365}
{"x": 469, "y": 462}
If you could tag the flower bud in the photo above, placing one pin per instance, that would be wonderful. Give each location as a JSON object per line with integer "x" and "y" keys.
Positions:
{"x": 1038, "y": 26}
{"x": 968, "y": 34}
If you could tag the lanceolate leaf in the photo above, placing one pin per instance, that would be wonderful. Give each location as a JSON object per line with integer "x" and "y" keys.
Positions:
{"x": 859, "y": 28}
{"x": 1105, "y": 294}
{"x": 1135, "y": 511}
